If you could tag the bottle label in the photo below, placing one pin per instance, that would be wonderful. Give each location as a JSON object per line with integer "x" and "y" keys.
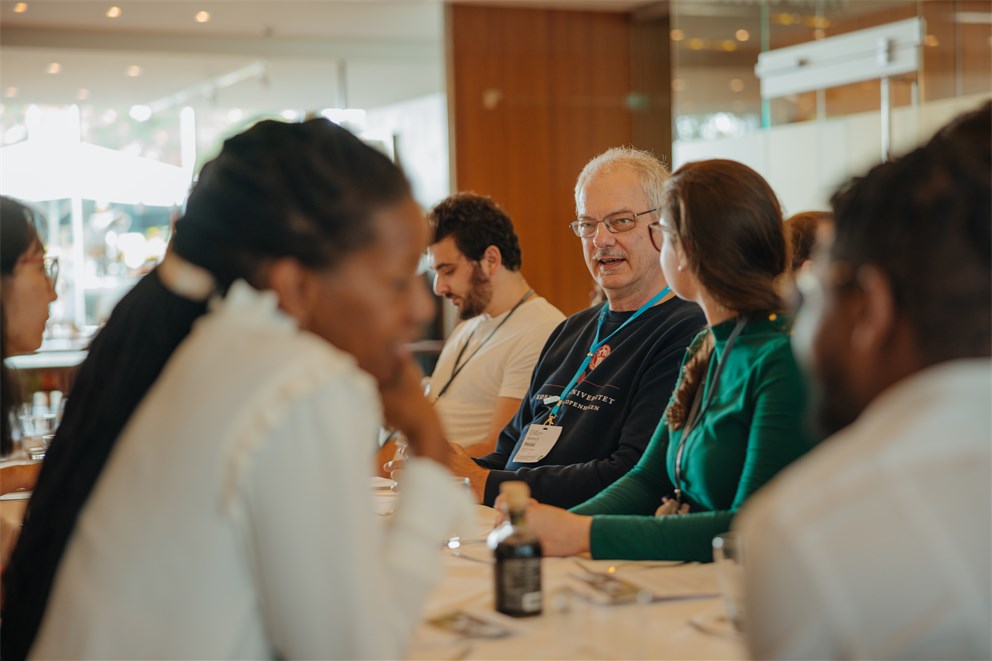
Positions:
{"x": 518, "y": 586}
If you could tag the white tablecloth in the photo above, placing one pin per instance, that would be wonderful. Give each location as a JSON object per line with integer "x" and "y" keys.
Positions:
{"x": 572, "y": 627}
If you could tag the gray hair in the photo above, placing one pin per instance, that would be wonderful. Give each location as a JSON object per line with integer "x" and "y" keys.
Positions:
{"x": 651, "y": 170}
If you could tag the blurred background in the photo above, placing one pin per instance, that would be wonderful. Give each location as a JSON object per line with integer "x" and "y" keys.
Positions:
{"x": 110, "y": 108}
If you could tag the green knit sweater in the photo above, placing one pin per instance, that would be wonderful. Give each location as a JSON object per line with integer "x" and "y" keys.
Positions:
{"x": 752, "y": 428}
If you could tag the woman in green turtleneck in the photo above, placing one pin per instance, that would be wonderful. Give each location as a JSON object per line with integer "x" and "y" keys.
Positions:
{"x": 736, "y": 416}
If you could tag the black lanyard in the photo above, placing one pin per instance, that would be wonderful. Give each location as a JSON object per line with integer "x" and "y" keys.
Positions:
{"x": 696, "y": 412}
{"x": 458, "y": 368}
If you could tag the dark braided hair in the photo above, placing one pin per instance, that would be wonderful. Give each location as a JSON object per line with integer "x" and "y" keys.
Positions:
{"x": 729, "y": 223}
{"x": 476, "y": 222}
{"x": 305, "y": 191}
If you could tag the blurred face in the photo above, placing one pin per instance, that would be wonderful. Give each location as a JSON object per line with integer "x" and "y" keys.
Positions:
{"x": 821, "y": 341}
{"x": 625, "y": 264}
{"x": 459, "y": 279}
{"x": 26, "y": 295}
{"x": 374, "y": 303}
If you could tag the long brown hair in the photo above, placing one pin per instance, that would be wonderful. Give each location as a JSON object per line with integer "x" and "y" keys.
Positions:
{"x": 729, "y": 223}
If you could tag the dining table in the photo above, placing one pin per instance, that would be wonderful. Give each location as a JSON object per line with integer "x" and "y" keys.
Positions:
{"x": 647, "y": 609}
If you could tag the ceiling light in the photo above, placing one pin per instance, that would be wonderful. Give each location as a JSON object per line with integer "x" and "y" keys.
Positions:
{"x": 10, "y": 92}
{"x": 696, "y": 43}
{"x": 202, "y": 16}
{"x": 53, "y": 68}
{"x": 728, "y": 45}
{"x": 133, "y": 71}
{"x": 82, "y": 94}
{"x": 742, "y": 35}
{"x": 114, "y": 12}
{"x": 931, "y": 40}
{"x": 677, "y": 35}
{"x": 736, "y": 85}
{"x": 20, "y": 7}
{"x": 140, "y": 113}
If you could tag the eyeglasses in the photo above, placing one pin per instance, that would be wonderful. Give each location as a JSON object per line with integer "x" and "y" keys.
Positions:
{"x": 655, "y": 230}
{"x": 50, "y": 264}
{"x": 623, "y": 221}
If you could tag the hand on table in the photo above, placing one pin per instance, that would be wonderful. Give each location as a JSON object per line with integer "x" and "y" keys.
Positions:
{"x": 561, "y": 532}
{"x": 461, "y": 464}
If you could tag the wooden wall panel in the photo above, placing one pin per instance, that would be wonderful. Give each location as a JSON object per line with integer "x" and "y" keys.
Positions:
{"x": 533, "y": 95}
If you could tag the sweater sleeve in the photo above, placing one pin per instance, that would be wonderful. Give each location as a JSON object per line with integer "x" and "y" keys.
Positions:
{"x": 570, "y": 484}
{"x": 774, "y": 440}
{"x": 640, "y": 491}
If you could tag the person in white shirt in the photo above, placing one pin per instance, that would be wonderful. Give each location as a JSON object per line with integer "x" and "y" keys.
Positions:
{"x": 485, "y": 366}
{"x": 877, "y": 544}
{"x": 201, "y": 498}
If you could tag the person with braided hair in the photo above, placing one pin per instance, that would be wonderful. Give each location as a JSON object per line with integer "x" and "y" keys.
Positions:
{"x": 736, "y": 416}
{"x": 201, "y": 498}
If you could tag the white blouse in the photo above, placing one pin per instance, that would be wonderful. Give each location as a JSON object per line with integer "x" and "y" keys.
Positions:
{"x": 234, "y": 517}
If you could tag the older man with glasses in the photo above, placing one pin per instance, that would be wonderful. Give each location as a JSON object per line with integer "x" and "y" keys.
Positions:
{"x": 606, "y": 373}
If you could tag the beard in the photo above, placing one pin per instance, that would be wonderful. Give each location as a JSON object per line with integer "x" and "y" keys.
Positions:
{"x": 478, "y": 296}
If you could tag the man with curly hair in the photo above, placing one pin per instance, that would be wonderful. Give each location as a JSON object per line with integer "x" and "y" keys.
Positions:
{"x": 485, "y": 366}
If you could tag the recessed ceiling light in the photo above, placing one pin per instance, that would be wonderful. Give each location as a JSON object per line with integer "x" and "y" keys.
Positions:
{"x": 20, "y": 7}
{"x": 53, "y": 68}
{"x": 133, "y": 71}
{"x": 10, "y": 92}
{"x": 82, "y": 94}
{"x": 202, "y": 16}
{"x": 114, "y": 12}
{"x": 677, "y": 35}
{"x": 728, "y": 45}
{"x": 736, "y": 85}
{"x": 742, "y": 35}
{"x": 931, "y": 40}
{"x": 696, "y": 43}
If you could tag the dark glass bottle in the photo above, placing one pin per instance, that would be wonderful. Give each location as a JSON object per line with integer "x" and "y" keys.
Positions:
{"x": 518, "y": 556}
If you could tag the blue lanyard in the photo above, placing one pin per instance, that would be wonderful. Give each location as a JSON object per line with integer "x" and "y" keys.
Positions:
{"x": 596, "y": 344}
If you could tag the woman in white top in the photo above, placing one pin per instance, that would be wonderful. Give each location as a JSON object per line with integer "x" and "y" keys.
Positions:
{"x": 206, "y": 495}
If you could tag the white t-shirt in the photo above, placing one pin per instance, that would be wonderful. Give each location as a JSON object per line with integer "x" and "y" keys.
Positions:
{"x": 234, "y": 517}
{"x": 502, "y": 366}
{"x": 877, "y": 544}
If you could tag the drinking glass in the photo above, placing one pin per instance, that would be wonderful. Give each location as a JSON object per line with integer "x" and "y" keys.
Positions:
{"x": 728, "y": 554}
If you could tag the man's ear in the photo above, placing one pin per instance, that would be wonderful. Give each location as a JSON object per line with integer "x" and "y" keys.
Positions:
{"x": 295, "y": 286}
{"x": 875, "y": 321}
{"x": 491, "y": 260}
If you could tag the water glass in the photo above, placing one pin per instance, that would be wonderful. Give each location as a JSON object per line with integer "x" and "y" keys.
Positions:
{"x": 728, "y": 554}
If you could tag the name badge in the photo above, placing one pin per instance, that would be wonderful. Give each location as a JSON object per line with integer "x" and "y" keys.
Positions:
{"x": 537, "y": 443}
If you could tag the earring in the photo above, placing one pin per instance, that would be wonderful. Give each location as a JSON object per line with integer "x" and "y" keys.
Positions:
{"x": 681, "y": 268}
